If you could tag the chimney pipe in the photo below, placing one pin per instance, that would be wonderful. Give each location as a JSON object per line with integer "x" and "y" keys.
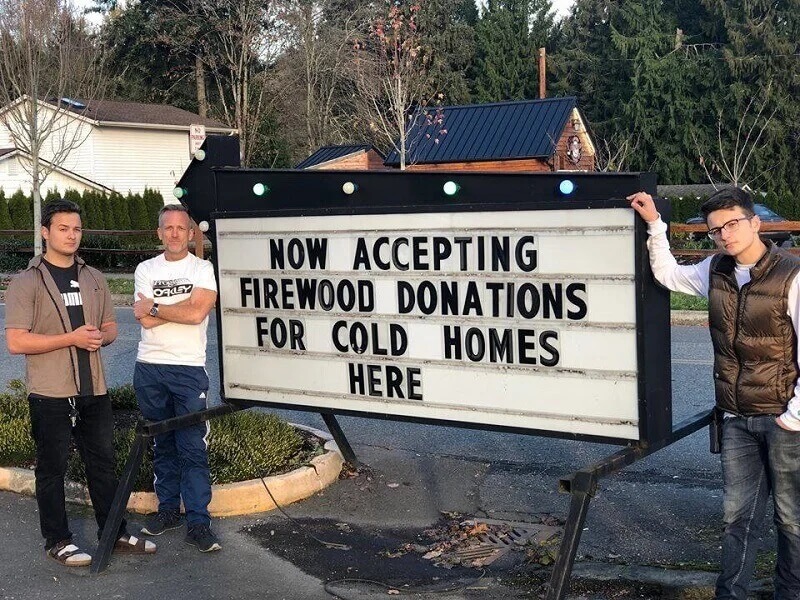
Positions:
{"x": 542, "y": 68}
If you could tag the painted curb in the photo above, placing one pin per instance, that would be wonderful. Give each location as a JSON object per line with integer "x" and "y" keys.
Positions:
{"x": 227, "y": 500}
{"x": 689, "y": 317}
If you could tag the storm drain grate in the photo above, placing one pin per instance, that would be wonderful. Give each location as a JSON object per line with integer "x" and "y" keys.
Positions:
{"x": 498, "y": 539}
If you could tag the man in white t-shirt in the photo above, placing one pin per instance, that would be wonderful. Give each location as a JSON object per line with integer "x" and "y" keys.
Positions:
{"x": 174, "y": 293}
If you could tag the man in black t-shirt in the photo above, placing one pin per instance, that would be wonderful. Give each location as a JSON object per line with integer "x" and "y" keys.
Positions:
{"x": 59, "y": 313}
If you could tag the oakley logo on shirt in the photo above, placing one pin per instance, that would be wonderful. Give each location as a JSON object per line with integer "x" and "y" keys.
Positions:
{"x": 171, "y": 287}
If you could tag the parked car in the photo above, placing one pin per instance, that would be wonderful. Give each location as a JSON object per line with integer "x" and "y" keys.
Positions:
{"x": 781, "y": 238}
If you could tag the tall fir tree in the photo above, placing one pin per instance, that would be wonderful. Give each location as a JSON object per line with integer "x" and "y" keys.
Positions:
{"x": 507, "y": 38}
{"x": 20, "y": 207}
{"x": 122, "y": 219}
{"x": 5, "y": 215}
{"x": 447, "y": 28}
{"x": 760, "y": 55}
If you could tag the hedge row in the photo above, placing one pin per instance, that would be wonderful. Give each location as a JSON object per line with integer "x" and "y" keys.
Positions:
{"x": 100, "y": 211}
{"x": 786, "y": 205}
{"x": 244, "y": 445}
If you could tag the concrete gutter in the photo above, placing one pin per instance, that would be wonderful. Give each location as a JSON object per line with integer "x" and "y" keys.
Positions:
{"x": 227, "y": 500}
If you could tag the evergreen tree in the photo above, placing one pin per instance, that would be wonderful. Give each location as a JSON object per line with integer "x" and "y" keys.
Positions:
{"x": 93, "y": 212}
{"x": 52, "y": 194}
{"x": 122, "y": 219}
{"x": 107, "y": 207}
{"x": 74, "y": 196}
{"x": 587, "y": 65}
{"x": 762, "y": 44}
{"x": 447, "y": 28}
{"x": 154, "y": 202}
{"x": 155, "y": 70}
{"x": 507, "y": 39}
{"x": 20, "y": 208}
{"x": 137, "y": 209}
{"x": 5, "y": 215}
{"x": 662, "y": 107}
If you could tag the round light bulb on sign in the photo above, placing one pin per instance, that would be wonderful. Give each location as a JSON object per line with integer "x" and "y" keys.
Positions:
{"x": 200, "y": 154}
{"x": 203, "y": 225}
{"x": 349, "y": 187}
{"x": 179, "y": 192}
{"x": 566, "y": 187}
{"x": 260, "y": 189}
{"x": 451, "y": 188}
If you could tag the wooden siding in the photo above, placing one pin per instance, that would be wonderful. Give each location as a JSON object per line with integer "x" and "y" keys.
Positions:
{"x": 361, "y": 161}
{"x": 506, "y": 166}
{"x": 586, "y": 162}
{"x": 132, "y": 159}
{"x": 13, "y": 177}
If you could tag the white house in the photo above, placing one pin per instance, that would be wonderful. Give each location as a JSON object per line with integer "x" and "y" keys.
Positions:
{"x": 124, "y": 146}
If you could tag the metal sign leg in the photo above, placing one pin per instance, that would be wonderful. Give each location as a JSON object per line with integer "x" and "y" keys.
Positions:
{"x": 338, "y": 435}
{"x": 111, "y": 528}
{"x": 582, "y": 488}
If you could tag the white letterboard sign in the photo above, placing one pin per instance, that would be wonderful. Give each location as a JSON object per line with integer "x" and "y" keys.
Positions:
{"x": 519, "y": 319}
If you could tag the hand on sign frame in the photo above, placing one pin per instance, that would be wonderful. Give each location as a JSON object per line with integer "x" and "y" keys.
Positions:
{"x": 643, "y": 204}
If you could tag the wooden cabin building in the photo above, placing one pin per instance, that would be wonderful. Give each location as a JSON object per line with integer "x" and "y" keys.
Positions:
{"x": 548, "y": 134}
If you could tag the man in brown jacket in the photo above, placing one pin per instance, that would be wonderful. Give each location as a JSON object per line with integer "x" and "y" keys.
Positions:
{"x": 58, "y": 314}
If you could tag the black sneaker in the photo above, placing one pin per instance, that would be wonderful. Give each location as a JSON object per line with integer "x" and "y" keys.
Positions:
{"x": 163, "y": 520}
{"x": 202, "y": 537}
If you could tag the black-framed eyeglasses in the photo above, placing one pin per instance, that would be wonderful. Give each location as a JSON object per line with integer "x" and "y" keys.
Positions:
{"x": 730, "y": 227}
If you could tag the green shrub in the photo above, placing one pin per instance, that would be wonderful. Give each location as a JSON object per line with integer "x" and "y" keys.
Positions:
{"x": 13, "y": 254}
{"x": 242, "y": 445}
{"x": 248, "y": 444}
{"x": 16, "y": 444}
{"x": 123, "y": 442}
{"x": 123, "y": 397}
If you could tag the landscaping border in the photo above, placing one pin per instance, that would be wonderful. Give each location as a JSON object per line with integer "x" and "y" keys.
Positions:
{"x": 227, "y": 500}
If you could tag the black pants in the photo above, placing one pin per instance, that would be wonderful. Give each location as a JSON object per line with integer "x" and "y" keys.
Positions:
{"x": 52, "y": 430}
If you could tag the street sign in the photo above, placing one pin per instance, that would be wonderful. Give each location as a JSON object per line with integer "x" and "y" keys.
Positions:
{"x": 197, "y": 135}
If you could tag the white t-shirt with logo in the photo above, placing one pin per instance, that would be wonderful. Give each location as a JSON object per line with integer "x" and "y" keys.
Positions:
{"x": 169, "y": 282}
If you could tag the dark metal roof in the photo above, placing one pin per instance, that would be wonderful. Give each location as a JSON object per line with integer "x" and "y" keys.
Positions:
{"x": 498, "y": 131}
{"x": 328, "y": 153}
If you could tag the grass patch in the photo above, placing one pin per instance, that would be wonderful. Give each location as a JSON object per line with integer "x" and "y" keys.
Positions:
{"x": 243, "y": 445}
{"x": 679, "y": 301}
{"x": 120, "y": 285}
{"x": 765, "y": 564}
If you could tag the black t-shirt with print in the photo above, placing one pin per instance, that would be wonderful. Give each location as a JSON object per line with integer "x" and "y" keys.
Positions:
{"x": 67, "y": 283}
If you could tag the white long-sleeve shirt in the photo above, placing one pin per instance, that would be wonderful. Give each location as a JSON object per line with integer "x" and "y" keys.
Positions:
{"x": 694, "y": 280}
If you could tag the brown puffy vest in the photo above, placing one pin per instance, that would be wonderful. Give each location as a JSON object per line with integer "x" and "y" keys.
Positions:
{"x": 755, "y": 345}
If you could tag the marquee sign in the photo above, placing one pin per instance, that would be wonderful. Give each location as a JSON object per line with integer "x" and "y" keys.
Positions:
{"x": 534, "y": 314}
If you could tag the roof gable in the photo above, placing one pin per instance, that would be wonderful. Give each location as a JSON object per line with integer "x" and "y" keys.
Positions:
{"x": 480, "y": 132}
{"x": 329, "y": 153}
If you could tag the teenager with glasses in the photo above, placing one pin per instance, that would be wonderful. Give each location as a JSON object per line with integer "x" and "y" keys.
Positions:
{"x": 753, "y": 292}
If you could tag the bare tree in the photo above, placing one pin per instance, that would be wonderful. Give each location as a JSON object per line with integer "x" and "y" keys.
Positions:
{"x": 240, "y": 47}
{"x": 731, "y": 157}
{"x": 612, "y": 154}
{"x": 320, "y": 58}
{"x": 46, "y": 56}
{"x": 392, "y": 79}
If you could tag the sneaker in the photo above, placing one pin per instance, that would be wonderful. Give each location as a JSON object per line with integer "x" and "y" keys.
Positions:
{"x": 163, "y": 520}
{"x": 68, "y": 554}
{"x": 202, "y": 537}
